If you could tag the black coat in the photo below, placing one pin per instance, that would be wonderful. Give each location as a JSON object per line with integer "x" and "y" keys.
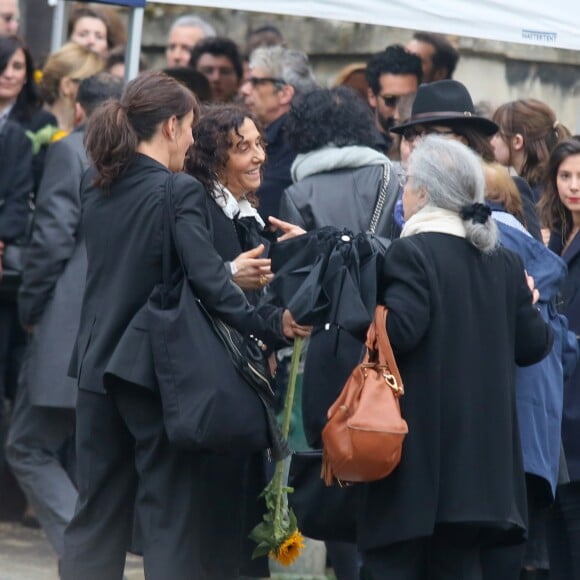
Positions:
{"x": 124, "y": 233}
{"x": 276, "y": 177}
{"x": 571, "y": 308}
{"x": 458, "y": 322}
{"x": 15, "y": 181}
{"x": 34, "y": 120}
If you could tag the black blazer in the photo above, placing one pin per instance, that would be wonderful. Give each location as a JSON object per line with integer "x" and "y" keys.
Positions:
{"x": 15, "y": 181}
{"x": 458, "y": 322}
{"x": 33, "y": 120}
{"x": 123, "y": 232}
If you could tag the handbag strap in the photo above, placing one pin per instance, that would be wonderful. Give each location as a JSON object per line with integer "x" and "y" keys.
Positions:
{"x": 386, "y": 355}
{"x": 378, "y": 342}
{"x": 380, "y": 203}
{"x": 168, "y": 265}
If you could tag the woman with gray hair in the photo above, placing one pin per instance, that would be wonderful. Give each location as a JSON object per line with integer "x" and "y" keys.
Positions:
{"x": 460, "y": 316}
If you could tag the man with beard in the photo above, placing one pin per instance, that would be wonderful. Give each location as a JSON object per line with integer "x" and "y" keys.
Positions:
{"x": 391, "y": 74}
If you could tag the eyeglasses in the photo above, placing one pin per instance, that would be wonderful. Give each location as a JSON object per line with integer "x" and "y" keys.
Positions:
{"x": 390, "y": 101}
{"x": 413, "y": 133}
{"x": 403, "y": 178}
{"x": 223, "y": 71}
{"x": 257, "y": 81}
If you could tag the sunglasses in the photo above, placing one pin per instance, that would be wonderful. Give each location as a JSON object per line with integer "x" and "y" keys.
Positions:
{"x": 390, "y": 101}
{"x": 257, "y": 81}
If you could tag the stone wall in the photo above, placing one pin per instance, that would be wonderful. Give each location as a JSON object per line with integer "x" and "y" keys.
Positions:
{"x": 494, "y": 72}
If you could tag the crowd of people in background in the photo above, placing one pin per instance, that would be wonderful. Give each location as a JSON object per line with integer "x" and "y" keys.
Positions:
{"x": 480, "y": 219}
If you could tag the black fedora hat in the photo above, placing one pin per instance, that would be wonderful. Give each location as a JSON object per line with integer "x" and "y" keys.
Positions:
{"x": 445, "y": 102}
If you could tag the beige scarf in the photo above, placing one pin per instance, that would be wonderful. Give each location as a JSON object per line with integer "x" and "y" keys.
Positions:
{"x": 435, "y": 219}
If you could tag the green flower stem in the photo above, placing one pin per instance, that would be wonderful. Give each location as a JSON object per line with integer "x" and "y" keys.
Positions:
{"x": 287, "y": 414}
{"x": 289, "y": 401}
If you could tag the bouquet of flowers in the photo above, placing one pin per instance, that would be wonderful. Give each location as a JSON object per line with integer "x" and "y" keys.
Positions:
{"x": 277, "y": 535}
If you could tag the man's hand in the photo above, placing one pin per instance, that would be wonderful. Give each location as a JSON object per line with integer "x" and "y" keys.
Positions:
{"x": 251, "y": 271}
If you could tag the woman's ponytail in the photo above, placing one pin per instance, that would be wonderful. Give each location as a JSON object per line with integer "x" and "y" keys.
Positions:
{"x": 115, "y": 130}
{"x": 111, "y": 142}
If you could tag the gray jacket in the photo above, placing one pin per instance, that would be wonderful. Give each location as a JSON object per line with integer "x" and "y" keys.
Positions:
{"x": 341, "y": 196}
{"x": 54, "y": 275}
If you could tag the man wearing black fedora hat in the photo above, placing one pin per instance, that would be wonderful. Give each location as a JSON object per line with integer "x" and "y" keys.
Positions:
{"x": 446, "y": 108}
{"x": 446, "y": 104}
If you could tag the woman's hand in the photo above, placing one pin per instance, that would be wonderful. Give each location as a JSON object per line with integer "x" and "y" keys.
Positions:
{"x": 251, "y": 271}
{"x": 290, "y": 230}
{"x": 532, "y": 286}
{"x": 292, "y": 329}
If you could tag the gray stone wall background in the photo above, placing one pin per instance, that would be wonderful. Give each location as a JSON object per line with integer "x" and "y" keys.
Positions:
{"x": 493, "y": 71}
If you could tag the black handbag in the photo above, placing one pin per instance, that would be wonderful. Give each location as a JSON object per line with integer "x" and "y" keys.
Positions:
{"x": 215, "y": 384}
{"x": 323, "y": 513}
{"x": 11, "y": 271}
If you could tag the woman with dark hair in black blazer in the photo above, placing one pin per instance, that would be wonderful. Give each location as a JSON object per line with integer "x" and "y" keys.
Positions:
{"x": 124, "y": 458}
{"x": 21, "y": 95}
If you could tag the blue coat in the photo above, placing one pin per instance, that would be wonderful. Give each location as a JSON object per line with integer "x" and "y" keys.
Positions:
{"x": 540, "y": 387}
{"x": 571, "y": 308}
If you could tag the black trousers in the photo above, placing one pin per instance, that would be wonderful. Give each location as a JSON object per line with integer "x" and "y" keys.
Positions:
{"x": 564, "y": 533}
{"x": 124, "y": 460}
{"x": 453, "y": 552}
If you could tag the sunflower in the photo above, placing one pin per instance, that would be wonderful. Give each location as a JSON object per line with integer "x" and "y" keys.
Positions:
{"x": 60, "y": 134}
{"x": 290, "y": 549}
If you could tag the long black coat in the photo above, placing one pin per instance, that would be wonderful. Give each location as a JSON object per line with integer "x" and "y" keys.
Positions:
{"x": 124, "y": 234}
{"x": 571, "y": 308}
{"x": 458, "y": 321}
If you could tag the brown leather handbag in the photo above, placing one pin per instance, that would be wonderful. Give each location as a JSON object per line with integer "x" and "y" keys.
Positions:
{"x": 363, "y": 437}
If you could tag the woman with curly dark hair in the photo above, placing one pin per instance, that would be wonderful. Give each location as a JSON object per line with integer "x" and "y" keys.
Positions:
{"x": 338, "y": 179}
{"x": 227, "y": 158}
{"x": 337, "y": 174}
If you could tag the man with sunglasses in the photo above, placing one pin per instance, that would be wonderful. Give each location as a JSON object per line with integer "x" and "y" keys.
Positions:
{"x": 277, "y": 76}
{"x": 391, "y": 74}
{"x": 9, "y": 17}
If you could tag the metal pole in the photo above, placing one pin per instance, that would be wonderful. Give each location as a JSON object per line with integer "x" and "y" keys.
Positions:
{"x": 133, "y": 49}
{"x": 59, "y": 24}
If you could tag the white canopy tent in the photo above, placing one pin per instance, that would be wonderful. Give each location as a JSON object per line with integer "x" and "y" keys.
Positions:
{"x": 534, "y": 22}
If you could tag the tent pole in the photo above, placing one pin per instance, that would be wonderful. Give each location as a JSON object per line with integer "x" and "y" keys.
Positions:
{"x": 59, "y": 25}
{"x": 133, "y": 49}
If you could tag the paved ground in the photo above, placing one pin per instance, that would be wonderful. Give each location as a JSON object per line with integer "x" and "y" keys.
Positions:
{"x": 26, "y": 555}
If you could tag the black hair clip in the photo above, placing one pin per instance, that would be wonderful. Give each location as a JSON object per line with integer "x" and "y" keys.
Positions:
{"x": 476, "y": 212}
